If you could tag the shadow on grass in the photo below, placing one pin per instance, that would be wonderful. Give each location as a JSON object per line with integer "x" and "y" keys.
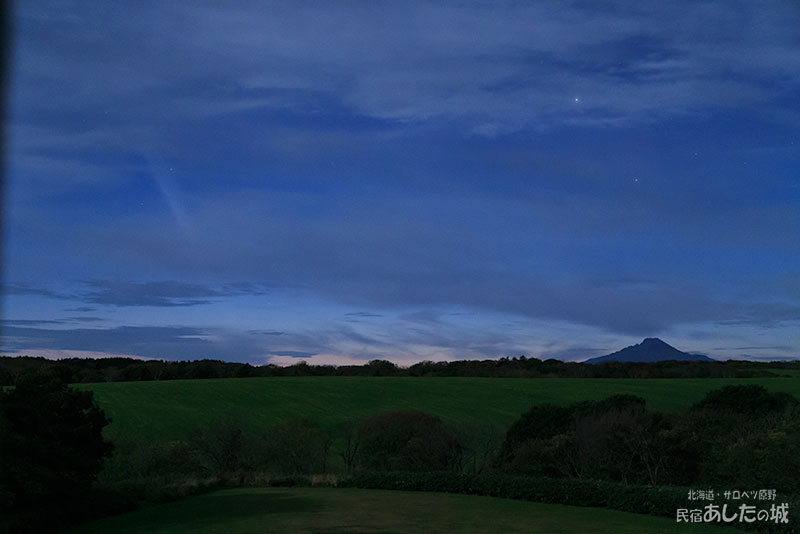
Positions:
{"x": 218, "y": 508}
{"x": 243, "y": 503}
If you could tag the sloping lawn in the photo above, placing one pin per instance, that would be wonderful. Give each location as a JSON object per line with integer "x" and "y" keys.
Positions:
{"x": 170, "y": 409}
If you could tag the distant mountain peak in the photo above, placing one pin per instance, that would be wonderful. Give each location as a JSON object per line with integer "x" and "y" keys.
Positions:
{"x": 651, "y": 349}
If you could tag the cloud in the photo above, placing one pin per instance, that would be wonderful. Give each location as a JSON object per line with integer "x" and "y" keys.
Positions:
{"x": 487, "y": 69}
{"x": 758, "y": 357}
{"x": 562, "y": 257}
{"x": 429, "y": 334}
{"x": 24, "y": 289}
{"x": 164, "y": 293}
{"x": 765, "y": 314}
{"x": 122, "y": 293}
{"x": 376, "y": 257}
{"x": 28, "y": 322}
{"x": 283, "y": 355}
{"x": 153, "y": 342}
{"x": 183, "y": 342}
{"x": 266, "y": 333}
{"x": 786, "y": 348}
{"x": 39, "y": 322}
{"x": 83, "y": 319}
{"x": 566, "y": 162}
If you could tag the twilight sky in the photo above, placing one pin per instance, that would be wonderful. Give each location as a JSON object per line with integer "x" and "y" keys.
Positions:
{"x": 345, "y": 181}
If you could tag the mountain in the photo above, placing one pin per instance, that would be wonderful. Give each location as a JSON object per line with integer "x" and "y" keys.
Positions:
{"x": 651, "y": 349}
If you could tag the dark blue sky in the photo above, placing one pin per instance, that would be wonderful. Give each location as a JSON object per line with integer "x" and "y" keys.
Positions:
{"x": 341, "y": 181}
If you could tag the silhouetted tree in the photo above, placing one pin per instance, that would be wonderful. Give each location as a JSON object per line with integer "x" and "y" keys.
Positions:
{"x": 51, "y": 450}
{"x": 299, "y": 446}
{"x": 219, "y": 448}
{"x": 347, "y": 433}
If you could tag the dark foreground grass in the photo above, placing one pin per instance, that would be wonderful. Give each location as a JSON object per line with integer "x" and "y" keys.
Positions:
{"x": 340, "y": 511}
{"x": 169, "y": 409}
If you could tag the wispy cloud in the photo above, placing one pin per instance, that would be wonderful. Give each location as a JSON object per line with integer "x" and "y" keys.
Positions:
{"x": 451, "y": 259}
{"x": 165, "y": 293}
{"x": 28, "y": 322}
{"x": 122, "y": 293}
{"x": 489, "y": 69}
{"x": 24, "y": 289}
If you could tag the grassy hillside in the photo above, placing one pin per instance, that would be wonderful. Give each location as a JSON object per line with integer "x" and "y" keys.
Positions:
{"x": 169, "y": 409}
{"x": 331, "y": 510}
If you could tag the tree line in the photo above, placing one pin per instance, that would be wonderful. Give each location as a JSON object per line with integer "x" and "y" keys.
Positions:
{"x": 76, "y": 370}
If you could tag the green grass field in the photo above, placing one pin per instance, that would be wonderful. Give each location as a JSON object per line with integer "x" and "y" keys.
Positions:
{"x": 169, "y": 409}
{"x": 353, "y": 511}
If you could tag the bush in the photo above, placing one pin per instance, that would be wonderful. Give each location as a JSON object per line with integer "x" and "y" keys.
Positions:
{"x": 746, "y": 399}
{"x": 742, "y": 436}
{"x": 411, "y": 440}
{"x": 583, "y": 440}
{"x": 298, "y": 446}
{"x": 219, "y": 448}
{"x": 542, "y": 421}
{"x": 480, "y": 445}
